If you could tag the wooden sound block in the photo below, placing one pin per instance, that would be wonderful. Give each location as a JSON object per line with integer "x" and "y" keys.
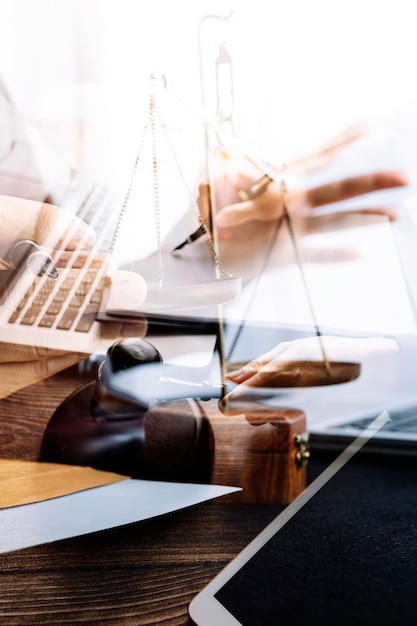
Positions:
{"x": 264, "y": 453}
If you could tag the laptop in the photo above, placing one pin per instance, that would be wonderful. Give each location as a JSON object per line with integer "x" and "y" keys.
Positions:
{"x": 387, "y": 306}
{"x": 395, "y": 391}
{"x": 68, "y": 313}
{"x": 382, "y": 308}
{"x": 383, "y": 292}
{"x": 61, "y": 314}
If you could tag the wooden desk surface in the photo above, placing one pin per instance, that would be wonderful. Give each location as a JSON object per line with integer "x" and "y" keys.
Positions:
{"x": 144, "y": 573}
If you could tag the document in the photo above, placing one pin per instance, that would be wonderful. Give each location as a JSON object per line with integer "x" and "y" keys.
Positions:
{"x": 98, "y": 508}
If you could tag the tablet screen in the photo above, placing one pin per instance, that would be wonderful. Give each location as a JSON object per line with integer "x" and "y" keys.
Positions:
{"x": 347, "y": 556}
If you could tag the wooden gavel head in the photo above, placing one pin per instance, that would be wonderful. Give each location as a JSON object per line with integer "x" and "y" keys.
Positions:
{"x": 96, "y": 427}
{"x": 122, "y": 355}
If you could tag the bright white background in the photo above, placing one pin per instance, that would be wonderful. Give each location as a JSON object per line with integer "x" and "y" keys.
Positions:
{"x": 303, "y": 69}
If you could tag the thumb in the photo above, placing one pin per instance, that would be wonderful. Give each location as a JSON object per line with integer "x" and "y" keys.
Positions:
{"x": 46, "y": 224}
{"x": 236, "y": 214}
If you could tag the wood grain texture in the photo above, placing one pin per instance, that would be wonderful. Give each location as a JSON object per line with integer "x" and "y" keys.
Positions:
{"x": 145, "y": 573}
{"x": 142, "y": 574}
{"x": 259, "y": 454}
{"x": 25, "y": 414}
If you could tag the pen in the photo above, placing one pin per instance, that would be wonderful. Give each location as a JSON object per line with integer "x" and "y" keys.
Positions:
{"x": 195, "y": 235}
{"x": 26, "y": 254}
{"x": 258, "y": 187}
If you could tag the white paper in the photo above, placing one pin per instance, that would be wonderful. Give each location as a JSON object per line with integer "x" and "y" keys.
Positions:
{"x": 98, "y": 509}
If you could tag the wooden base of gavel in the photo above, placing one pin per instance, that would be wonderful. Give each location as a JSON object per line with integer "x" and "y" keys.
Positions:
{"x": 262, "y": 451}
{"x": 265, "y": 454}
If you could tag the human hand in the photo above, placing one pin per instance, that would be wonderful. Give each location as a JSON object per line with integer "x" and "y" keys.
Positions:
{"x": 293, "y": 363}
{"x": 66, "y": 238}
{"x": 243, "y": 221}
{"x": 254, "y": 222}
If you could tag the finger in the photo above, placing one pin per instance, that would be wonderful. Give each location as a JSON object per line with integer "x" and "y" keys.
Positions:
{"x": 353, "y": 186}
{"x": 203, "y": 200}
{"x": 236, "y": 214}
{"x": 330, "y": 150}
{"x": 299, "y": 373}
{"x": 264, "y": 208}
{"x": 271, "y": 375}
{"x": 45, "y": 223}
{"x": 390, "y": 212}
{"x": 16, "y": 376}
{"x": 244, "y": 373}
{"x": 253, "y": 367}
{"x": 342, "y": 220}
{"x": 78, "y": 260}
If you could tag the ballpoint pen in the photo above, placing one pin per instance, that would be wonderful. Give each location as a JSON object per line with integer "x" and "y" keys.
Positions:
{"x": 26, "y": 254}
{"x": 258, "y": 187}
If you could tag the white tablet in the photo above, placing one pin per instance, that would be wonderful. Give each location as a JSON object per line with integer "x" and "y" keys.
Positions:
{"x": 329, "y": 557}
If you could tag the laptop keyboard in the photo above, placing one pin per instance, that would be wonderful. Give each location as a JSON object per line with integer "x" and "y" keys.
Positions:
{"x": 98, "y": 205}
{"x": 70, "y": 304}
{"x": 62, "y": 314}
{"x": 404, "y": 421}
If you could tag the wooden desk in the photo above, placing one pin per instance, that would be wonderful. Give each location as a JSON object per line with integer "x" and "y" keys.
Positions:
{"x": 144, "y": 573}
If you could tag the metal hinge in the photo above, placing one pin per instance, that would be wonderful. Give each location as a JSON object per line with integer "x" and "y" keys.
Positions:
{"x": 303, "y": 454}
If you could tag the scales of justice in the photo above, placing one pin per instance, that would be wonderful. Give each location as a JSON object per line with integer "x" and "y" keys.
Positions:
{"x": 144, "y": 418}
{"x": 181, "y": 300}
